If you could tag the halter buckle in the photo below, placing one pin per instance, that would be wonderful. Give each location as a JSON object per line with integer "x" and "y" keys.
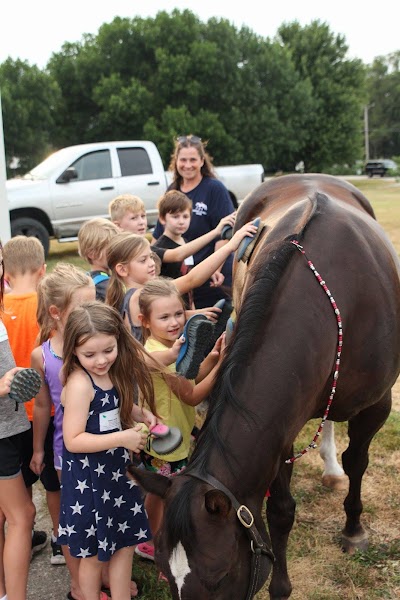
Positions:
{"x": 248, "y": 514}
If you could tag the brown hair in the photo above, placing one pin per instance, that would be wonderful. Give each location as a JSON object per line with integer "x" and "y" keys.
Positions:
{"x": 190, "y": 141}
{"x": 121, "y": 250}
{"x": 124, "y": 203}
{"x": 94, "y": 236}
{"x": 173, "y": 202}
{"x": 129, "y": 368}
{"x": 56, "y": 288}
{"x": 22, "y": 255}
{"x": 160, "y": 287}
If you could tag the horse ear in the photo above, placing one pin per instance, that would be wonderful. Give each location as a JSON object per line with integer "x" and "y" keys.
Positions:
{"x": 217, "y": 503}
{"x": 151, "y": 482}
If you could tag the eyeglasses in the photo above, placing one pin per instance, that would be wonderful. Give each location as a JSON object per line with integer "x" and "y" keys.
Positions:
{"x": 192, "y": 139}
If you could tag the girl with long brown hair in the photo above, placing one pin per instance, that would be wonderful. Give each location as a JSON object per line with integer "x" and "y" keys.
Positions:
{"x": 102, "y": 514}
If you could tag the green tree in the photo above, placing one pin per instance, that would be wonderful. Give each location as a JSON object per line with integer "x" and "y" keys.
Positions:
{"x": 384, "y": 106}
{"x": 30, "y": 100}
{"x": 157, "y": 78}
{"x": 334, "y": 126}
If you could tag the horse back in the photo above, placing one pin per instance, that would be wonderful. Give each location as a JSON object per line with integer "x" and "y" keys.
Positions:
{"x": 352, "y": 253}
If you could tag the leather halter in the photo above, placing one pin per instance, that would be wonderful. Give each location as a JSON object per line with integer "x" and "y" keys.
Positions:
{"x": 258, "y": 546}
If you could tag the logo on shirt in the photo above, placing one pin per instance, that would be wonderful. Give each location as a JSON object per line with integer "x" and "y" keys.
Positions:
{"x": 200, "y": 209}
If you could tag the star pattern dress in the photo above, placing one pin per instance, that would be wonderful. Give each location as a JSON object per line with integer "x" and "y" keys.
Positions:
{"x": 102, "y": 509}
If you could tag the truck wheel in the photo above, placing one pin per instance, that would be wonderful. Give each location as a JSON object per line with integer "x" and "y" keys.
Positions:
{"x": 31, "y": 227}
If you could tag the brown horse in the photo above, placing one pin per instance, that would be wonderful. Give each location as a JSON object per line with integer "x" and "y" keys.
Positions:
{"x": 285, "y": 364}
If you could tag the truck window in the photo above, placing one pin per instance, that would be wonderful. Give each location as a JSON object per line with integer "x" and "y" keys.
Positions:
{"x": 95, "y": 165}
{"x": 134, "y": 161}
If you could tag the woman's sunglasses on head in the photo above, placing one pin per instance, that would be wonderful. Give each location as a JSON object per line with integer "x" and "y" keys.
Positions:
{"x": 192, "y": 139}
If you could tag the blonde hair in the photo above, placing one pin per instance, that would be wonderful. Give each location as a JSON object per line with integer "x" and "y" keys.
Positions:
{"x": 56, "y": 288}
{"x": 94, "y": 237}
{"x": 124, "y": 203}
{"x": 173, "y": 202}
{"x": 22, "y": 255}
{"x": 122, "y": 249}
{"x": 129, "y": 368}
{"x": 160, "y": 287}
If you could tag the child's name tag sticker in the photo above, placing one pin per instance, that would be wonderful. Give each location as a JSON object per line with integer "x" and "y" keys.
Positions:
{"x": 189, "y": 261}
{"x": 110, "y": 420}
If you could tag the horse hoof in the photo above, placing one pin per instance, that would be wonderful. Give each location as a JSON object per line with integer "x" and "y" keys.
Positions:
{"x": 351, "y": 544}
{"x": 336, "y": 482}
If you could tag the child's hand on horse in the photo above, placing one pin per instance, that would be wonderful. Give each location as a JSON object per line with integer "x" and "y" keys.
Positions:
{"x": 219, "y": 348}
{"x": 248, "y": 230}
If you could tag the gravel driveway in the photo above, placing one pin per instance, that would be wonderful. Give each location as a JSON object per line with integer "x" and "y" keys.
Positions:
{"x": 46, "y": 581}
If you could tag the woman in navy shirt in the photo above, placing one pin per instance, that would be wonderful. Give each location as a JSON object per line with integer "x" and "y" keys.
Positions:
{"x": 194, "y": 176}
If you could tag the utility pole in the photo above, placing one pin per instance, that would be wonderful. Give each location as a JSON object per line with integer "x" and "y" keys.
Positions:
{"x": 366, "y": 133}
{"x": 5, "y": 229}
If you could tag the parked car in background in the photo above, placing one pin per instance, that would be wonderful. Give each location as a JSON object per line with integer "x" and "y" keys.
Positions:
{"x": 77, "y": 183}
{"x": 379, "y": 167}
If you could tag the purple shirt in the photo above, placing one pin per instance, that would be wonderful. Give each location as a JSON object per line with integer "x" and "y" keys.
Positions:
{"x": 52, "y": 366}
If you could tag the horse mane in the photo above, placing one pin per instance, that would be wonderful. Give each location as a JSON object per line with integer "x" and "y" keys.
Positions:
{"x": 269, "y": 267}
{"x": 267, "y": 272}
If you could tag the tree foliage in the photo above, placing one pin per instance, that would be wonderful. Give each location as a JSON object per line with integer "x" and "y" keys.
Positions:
{"x": 30, "y": 98}
{"x": 384, "y": 106}
{"x": 334, "y": 126}
{"x": 279, "y": 101}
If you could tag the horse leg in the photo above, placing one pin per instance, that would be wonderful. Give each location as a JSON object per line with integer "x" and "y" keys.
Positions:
{"x": 362, "y": 429}
{"x": 333, "y": 476}
{"x": 280, "y": 515}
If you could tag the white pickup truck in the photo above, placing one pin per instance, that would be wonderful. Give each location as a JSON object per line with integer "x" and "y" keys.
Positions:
{"x": 77, "y": 183}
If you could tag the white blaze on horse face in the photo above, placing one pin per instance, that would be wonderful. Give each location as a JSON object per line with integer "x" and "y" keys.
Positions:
{"x": 179, "y": 565}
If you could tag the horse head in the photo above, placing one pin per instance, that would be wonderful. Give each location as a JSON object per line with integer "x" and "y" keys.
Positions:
{"x": 202, "y": 546}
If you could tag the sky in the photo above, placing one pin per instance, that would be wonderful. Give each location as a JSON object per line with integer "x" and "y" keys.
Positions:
{"x": 33, "y": 30}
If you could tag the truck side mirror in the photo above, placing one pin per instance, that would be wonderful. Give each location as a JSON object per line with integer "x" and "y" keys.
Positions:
{"x": 68, "y": 174}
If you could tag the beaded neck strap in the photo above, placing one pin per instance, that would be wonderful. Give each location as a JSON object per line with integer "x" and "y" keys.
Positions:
{"x": 322, "y": 283}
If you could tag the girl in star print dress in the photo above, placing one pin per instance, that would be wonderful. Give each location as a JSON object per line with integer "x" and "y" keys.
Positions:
{"x": 102, "y": 515}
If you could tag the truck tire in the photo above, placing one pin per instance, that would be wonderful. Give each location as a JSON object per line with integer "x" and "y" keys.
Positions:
{"x": 31, "y": 227}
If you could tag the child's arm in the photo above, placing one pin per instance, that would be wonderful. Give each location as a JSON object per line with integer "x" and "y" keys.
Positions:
{"x": 143, "y": 415}
{"x": 41, "y": 414}
{"x": 194, "y": 394}
{"x": 211, "y": 359}
{"x": 203, "y": 271}
{"x": 179, "y": 254}
{"x": 76, "y": 397}
{"x": 168, "y": 356}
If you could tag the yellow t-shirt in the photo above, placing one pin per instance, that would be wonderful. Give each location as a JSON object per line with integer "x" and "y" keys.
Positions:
{"x": 171, "y": 410}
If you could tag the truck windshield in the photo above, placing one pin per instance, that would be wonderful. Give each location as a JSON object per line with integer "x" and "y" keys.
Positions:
{"x": 43, "y": 170}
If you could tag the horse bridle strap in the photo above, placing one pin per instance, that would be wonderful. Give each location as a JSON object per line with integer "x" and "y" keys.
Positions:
{"x": 257, "y": 544}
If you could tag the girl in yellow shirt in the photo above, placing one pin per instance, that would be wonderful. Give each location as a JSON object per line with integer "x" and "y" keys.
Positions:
{"x": 162, "y": 313}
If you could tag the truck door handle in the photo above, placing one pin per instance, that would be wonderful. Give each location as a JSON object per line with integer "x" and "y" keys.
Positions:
{"x": 107, "y": 187}
{"x": 153, "y": 183}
